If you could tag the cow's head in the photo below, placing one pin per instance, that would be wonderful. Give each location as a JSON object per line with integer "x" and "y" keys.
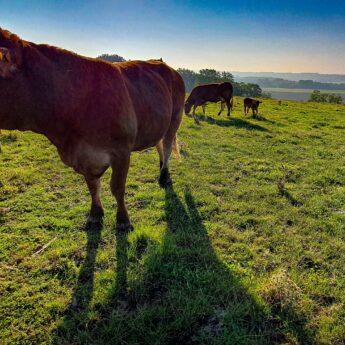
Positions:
{"x": 10, "y": 53}
{"x": 7, "y": 65}
{"x": 188, "y": 105}
{"x": 255, "y": 104}
{"x": 13, "y": 86}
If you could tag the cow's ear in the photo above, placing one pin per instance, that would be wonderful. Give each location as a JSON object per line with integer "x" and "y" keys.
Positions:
{"x": 5, "y": 54}
{"x": 7, "y": 65}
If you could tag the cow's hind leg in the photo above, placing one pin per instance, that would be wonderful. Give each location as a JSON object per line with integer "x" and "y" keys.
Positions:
{"x": 159, "y": 148}
{"x": 203, "y": 108}
{"x": 120, "y": 166}
{"x": 96, "y": 212}
{"x": 169, "y": 144}
{"x": 222, "y": 106}
{"x": 246, "y": 110}
{"x": 228, "y": 104}
{"x": 164, "y": 178}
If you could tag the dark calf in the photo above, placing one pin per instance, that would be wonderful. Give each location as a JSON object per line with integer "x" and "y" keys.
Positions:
{"x": 250, "y": 103}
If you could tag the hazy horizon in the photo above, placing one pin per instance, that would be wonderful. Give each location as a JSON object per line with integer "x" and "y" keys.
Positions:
{"x": 265, "y": 72}
{"x": 288, "y": 37}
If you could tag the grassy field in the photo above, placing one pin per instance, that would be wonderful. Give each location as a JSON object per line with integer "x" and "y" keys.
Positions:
{"x": 247, "y": 247}
{"x": 298, "y": 94}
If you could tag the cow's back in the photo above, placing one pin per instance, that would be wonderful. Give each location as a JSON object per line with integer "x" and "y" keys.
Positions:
{"x": 152, "y": 81}
{"x": 129, "y": 104}
{"x": 212, "y": 92}
{"x": 248, "y": 101}
{"x": 156, "y": 94}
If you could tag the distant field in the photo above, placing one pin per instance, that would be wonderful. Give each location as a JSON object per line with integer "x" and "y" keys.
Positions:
{"x": 246, "y": 248}
{"x": 297, "y": 94}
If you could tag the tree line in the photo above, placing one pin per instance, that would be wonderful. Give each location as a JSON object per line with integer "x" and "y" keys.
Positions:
{"x": 291, "y": 84}
{"x": 323, "y": 97}
{"x": 206, "y": 76}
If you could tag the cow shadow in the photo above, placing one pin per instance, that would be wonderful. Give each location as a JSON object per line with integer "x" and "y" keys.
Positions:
{"x": 77, "y": 310}
{"x": 232, "y": 122}
{"x": 261, "y": 117}
{"x": 186, "y": 295}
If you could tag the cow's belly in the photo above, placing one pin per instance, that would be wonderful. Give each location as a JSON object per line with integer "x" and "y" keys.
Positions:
{"x": 151, "y": 130}
{"x": 144, "y": 143}
{"x": 86, "y": 159}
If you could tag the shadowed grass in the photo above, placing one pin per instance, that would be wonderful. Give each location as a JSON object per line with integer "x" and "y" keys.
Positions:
{"x": 238, "y": 123}
{"x": 185, "y": 296}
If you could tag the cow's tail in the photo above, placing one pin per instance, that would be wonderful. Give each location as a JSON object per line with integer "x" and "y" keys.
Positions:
{"x": 176, "y": 147}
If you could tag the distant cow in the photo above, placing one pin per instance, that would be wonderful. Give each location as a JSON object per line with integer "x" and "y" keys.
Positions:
{"x": 251, "y": 103}
{"x": 214, "y": 93}
{"x": 96, "y": 113}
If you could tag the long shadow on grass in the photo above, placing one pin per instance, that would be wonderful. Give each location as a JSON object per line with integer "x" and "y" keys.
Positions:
{"x": 76, "y": 313}
{"x": 183, "y": 295}
{"x": 232, "y": 122}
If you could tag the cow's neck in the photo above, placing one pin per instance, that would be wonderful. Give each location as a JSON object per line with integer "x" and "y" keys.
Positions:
{"x": 47, "y": 72}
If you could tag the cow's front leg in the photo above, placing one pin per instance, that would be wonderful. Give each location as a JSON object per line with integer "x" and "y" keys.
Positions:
{"x": 96, "y": 212}
{"x": 120, "y": 165}
{"x": 194, "y": 116}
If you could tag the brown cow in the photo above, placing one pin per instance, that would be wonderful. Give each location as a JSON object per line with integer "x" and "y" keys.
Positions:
{"x": 250, "y": 103}
{"x": 95, "y": 113}
{"x": 202, "y": 94}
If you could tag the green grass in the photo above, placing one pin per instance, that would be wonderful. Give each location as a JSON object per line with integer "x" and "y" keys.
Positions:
{"x": 246, "y": 248}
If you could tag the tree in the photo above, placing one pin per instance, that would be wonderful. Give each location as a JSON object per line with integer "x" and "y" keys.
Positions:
{"x": 226, "y": 76}
{"x": 266, "y": 95}
{"x": 207, "y": 76}
{"x": 335, "y": 98}
{"x": 306, "y": 84}
{"x": 317, "y": 96}
{"x": 189, "y": 77}
{"x": 111, "y": 58}
{"x": 247, "y": 90}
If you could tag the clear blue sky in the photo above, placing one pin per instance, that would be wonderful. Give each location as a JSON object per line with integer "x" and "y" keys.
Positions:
{"x": 280, "y": 36}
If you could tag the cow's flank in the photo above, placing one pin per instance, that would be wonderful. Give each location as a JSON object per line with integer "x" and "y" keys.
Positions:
{"x": 96, "y": 113}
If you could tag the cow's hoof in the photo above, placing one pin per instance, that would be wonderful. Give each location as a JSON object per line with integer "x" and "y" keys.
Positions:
{"x": 123, "y": 227}
{"x": 166, "y": 183}
{"x": 94, "y": 223}
{"x": 164, "y": 178}
{"x": 122, "y": 223}
{"x": 95, "y": 216}
{"x": 94, "y": 219}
